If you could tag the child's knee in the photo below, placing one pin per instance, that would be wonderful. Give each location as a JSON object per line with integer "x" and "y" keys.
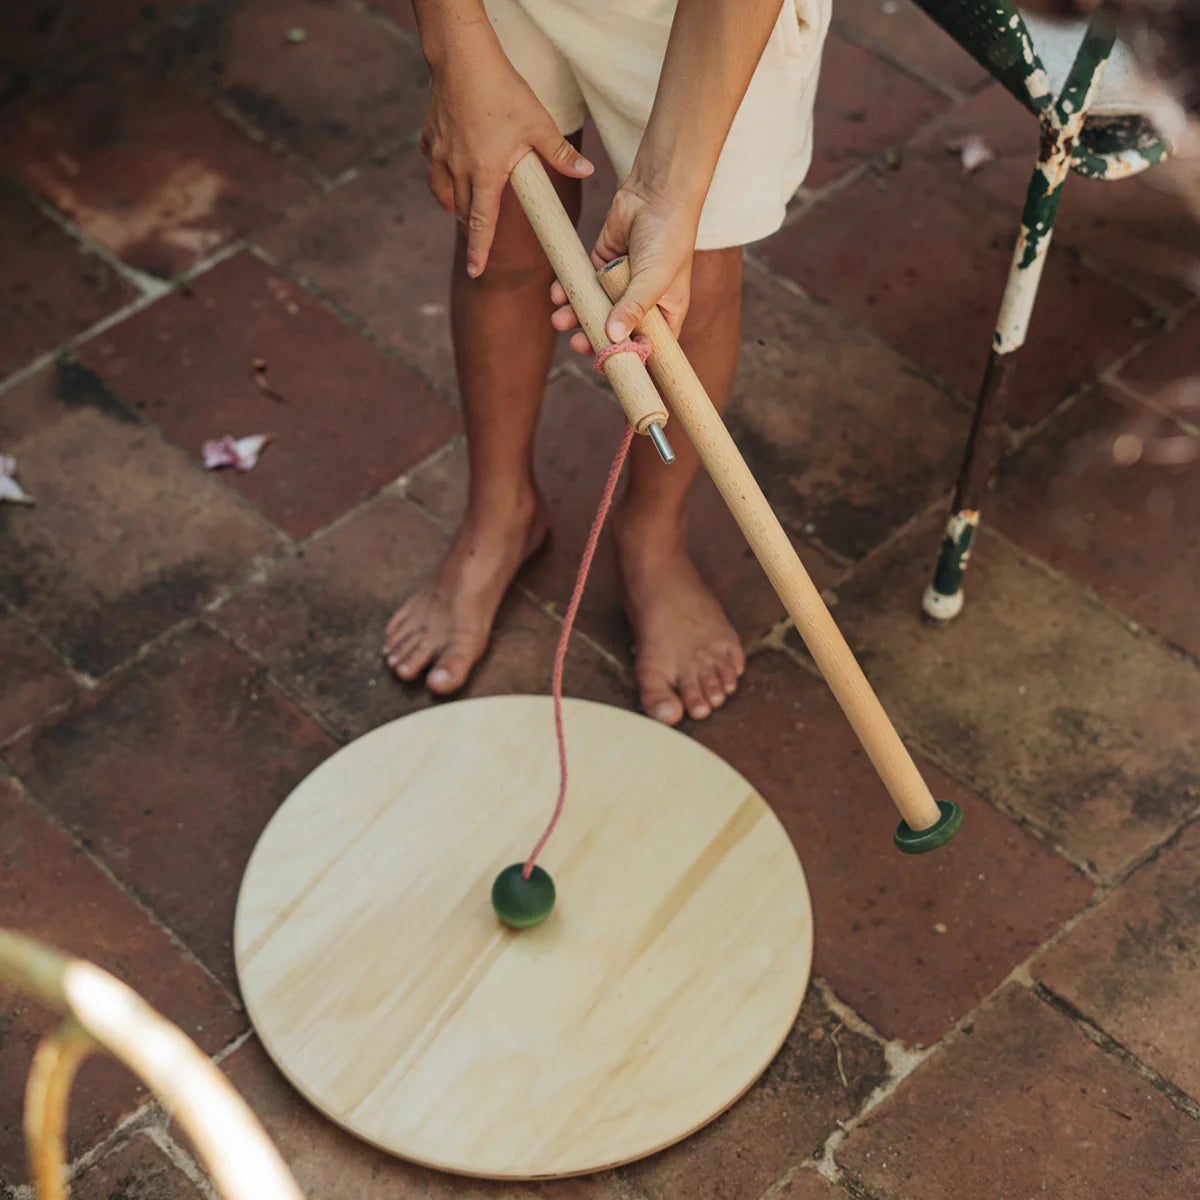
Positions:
{"x": 716, "y": 284}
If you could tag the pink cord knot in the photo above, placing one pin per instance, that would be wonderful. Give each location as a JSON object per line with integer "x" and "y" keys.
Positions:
{"x": 639, "y": 345}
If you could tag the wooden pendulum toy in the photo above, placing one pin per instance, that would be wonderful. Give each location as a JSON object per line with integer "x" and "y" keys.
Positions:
{"x": 525, "y": 1038}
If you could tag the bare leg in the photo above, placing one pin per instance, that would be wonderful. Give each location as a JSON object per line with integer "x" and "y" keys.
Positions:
{"x": 503, "y": 343}
{"x": 688, "y": 656}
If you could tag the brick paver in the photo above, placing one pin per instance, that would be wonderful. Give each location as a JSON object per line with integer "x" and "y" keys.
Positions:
{"x": 34, "y": 678}
{"x": 147, "y": 170}
{"x": 137, "y": 1170}
{"x": 812, "y": 390}
{"x": 50, "y": 890}
{"x": 1045, "y": 701}
{"x": 52, "y": 288}
{"x": 38, "y": 35}
{"x": 1109, "y": 495}
{"x": 127, "y": 537}
{"x": 854, "y": 123}
{"x": 903, "y": 34}
{"x": 1132, "y": 964}
{"x": 808, "y": 1185}
{"x": 380, "y": 248}
{"x": 324, "y": 80}
{"x": 1024, "y": 1105}
{"x": 1166, "y": 371}
{"x": 922, "y": 260}
{"x": 823, "y": 1072}
{"x": 170, "y": 774}
{"x": 345, "y": 419}
{"x": 179, "y": 648}
{"x": 910, "y": 943}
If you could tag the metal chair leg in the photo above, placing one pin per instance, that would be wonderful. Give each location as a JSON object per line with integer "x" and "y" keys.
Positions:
{"x": 1061, "y": 123}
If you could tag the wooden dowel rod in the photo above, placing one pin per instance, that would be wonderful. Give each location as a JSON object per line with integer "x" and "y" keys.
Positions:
{"x": 689, "y": 402}
{"x": 638, "y": 396}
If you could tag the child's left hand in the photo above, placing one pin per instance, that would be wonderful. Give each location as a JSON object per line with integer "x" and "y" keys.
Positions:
{"x": 659, "y": 235}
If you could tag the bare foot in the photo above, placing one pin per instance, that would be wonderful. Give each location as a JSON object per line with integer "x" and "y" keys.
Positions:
{"x": 687, "y": 655}
{"x": 447, "y": 623}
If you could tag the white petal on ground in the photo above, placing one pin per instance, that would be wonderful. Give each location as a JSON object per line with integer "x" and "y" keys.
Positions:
{"x": 10, "y": 489}
{"x": 972, "y": 152}
{"x": 229, "y": 451}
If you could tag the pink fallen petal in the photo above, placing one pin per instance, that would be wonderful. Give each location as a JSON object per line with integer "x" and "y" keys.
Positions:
{"x": 248, "y": 449}
{"x": 229, "y": 451}
{"x": 972, "y": 152}
{"x": 219, "y": 452}
{"x": 10, "y": 489}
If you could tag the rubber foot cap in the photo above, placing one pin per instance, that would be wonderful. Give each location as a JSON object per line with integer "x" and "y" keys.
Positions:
{"x": 941, "y": 607}
{"x": 918, "y": 841}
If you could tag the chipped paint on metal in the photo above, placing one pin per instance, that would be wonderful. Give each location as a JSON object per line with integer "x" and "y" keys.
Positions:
{"x": 956, "y": 550}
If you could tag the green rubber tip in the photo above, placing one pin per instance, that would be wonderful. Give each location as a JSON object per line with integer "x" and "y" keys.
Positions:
{"x": 918, "y": 841}
{"x": 519, "y": 902}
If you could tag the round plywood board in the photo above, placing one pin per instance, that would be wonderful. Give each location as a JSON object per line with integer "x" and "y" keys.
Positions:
{"x": 382, "y": 984}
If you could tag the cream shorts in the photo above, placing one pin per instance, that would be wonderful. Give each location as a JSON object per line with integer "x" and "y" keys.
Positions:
{"x": 602, "y": 58}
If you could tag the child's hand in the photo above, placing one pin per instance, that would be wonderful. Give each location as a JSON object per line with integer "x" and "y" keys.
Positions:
{"x": 659, "y": 235}
{"x": 482, "y": 119}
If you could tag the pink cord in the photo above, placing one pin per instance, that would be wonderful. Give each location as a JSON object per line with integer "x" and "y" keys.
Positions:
{"x": 639, "y": 345}
{"x": 560, "y": 655}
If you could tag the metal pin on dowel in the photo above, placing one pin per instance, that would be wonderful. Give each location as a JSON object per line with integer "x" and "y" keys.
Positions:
{"x": 659, "y": 438}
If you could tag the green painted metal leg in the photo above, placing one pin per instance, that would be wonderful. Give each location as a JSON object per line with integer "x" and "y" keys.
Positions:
{"x": 1061, "y": 123}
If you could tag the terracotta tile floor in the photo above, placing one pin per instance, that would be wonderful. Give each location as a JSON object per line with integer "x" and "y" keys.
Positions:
{"x": 189, "y": 188}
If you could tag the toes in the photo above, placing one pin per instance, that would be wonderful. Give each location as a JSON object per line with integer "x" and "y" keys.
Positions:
{"x": 730, "y": 668}
{"x": 692, "y": 695}
{"x": 400, "y": 618}
{"x": 713, "y": 686}
{"x": 452, "y": 667}
{"x": 398, "y": 644}
{"x": 660, "y": 701}
{"x": 410, "y": 665}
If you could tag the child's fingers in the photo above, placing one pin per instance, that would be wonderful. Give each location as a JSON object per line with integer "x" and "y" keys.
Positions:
{"x": 562, "y": 156}
{"x": 580, "y": 343}
{"x": 564, "y": 318}
{"x": 558, "y": 293}
{"x": 441, "y": 184}
{"x": 482, "y": 215}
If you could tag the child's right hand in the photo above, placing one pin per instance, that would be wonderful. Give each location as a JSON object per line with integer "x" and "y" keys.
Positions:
{"x": 482, "y": 120}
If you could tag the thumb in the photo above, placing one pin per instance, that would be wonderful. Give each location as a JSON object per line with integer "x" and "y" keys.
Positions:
{"x": 563, "y": 157}
{"x": 644, "y": 291}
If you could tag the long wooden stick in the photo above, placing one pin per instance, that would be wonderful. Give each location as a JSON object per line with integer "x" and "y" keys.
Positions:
{"x": 928, "y": 824}
{"x": 690, "y": 403}
{"x": 638, "y": 396}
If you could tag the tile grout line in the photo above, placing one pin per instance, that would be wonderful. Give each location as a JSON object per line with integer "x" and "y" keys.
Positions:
{"x": 58, "y": 824}
{"x": 879, "y": 48}
{"x": 350, "y": 319}
{"x": 1109, "y": 1045}
{"x": 182, "y": 1161}
{"x": 1021, "y": 975}
{"x": 294, "y": 698}
{"x": 149, "y": 287}
{"x": 909, "y": 365}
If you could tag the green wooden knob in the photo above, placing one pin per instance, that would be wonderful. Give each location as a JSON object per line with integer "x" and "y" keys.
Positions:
{"x": 918, "y": 841}
{"x": 519, "y": 902}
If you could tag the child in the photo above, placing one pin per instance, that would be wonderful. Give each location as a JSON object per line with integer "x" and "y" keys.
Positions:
{"x": 705, "y": 109}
